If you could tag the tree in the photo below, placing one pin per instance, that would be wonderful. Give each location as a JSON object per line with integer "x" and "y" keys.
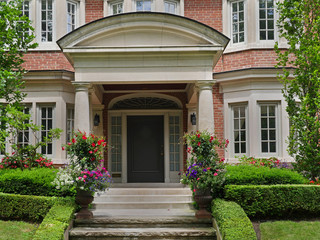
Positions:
{"x": 299, "y": 24}
{"x": 16, "y": 38}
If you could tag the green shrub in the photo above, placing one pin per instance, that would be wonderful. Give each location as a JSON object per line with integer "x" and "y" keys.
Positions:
{"x": 251, "y": 175}
{"x": 56, "y": 221}
{"x": 36, "y": 181}
{"x": 29, "y": 208}
{"x": 232, "y": 221}
{"x": 276, "y": 201}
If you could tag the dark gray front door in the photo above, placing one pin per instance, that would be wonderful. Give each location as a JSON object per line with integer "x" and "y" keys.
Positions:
{"x": 145, "y": 149}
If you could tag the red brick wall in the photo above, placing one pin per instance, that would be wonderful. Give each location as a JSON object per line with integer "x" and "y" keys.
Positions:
{"x": 109, "y": 96}
{"x": 218, "y": 115}
{"x": 206, "y": 11}
{"x": 50, "y": 60}
{"x": 246, "y": 59}
{"x": 94, "y": 10}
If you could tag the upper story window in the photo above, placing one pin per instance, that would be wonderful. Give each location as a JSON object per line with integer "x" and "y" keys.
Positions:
{"x": 116, "y": 8}
{"x": 143, "y": 5}
{"x": 238, "y": 31}
{"x": 266, "y": 19}
{"x": 25, "y": 9}
{"x": 170, "y": 7}
{"x": 71, "y": 16}
{"x": 46, "y": 20}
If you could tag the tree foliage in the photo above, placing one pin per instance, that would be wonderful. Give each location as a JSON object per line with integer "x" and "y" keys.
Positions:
{"x": 16, "y": 38}
{"x": 299, "y": 24}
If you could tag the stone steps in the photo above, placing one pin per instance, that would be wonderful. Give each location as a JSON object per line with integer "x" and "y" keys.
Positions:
{"x": 137, "y": 212}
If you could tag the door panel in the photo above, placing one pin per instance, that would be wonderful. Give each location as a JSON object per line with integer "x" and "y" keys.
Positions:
{"x": 145, "y": 151}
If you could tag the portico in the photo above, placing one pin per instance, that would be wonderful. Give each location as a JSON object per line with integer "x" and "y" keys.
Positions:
{"x": 141, "y": 70}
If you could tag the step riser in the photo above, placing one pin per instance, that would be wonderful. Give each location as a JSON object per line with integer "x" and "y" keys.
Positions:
{"x": 98, "y": 206}
{"x": 177, "y": 225}
{"x": 142, "y": 238}
{"x": 140, "y": 191}
{"x": 143, "y": 199}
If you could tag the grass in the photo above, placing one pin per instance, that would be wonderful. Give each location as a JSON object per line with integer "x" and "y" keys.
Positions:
{"x": 289, "y": 230}
{"x": 16, "y": 230}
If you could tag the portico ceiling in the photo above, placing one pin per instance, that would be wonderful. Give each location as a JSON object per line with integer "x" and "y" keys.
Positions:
{"x": 144, "y": 48}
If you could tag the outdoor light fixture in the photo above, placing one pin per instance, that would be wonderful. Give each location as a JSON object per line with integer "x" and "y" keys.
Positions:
{"x": 96, "y": 120}
{"x": 193, "y": 119}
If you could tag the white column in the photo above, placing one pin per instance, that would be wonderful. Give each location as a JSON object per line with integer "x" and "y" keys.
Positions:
{"x": 205, "y": 118}
{"x": 82, "y": 107}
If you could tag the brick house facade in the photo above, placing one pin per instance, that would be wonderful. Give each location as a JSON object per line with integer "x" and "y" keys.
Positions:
{"x": 104, "y": 65}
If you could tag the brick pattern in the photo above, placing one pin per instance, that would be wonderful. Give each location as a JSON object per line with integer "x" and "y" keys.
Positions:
{"x": 48, "y": 60}
{"x": 206, "y": 11}
{"x": 94, "y": 10}
{"x": 246, "y": 59}
{"x": 109, "y": 96}
{"x": 218, "y": 116}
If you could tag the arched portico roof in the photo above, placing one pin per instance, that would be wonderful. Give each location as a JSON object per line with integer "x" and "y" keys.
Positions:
{"x": 155, "y": 36}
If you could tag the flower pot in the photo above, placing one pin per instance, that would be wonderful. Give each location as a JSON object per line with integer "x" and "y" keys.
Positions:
{"x": 203, "y": 198}
{"x": 84, "y": 198}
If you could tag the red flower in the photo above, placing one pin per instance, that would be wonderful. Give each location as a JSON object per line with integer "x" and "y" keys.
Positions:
{"x": 198, "y": 135}
{"x": 73, "y": 140}
{"x": 199, "y": 143}
{"x": 211, "y": 139}
{"x": 312, "y": 182}
{"x": 84, "y": 137}
{"x": 93, "y": 144}
{"x": 90, "y": 152}
{"x": 63, "y": 148}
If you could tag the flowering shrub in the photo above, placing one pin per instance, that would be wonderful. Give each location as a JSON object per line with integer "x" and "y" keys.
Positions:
{"x": 271, "y": 162}
{"x": 15, "y": 161}
{"x": 85, "y": 150}
{"x": 85, "y": 171}
{"x": 205, "y": 168}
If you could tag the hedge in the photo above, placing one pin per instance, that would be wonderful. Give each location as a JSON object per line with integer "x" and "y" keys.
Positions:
{"x": 28, "y": 208}
{"x": 56, "y": 221}
{"x": 232, "y": 221}
{"x": 251, "y": 175}
{"x": 276, "y": 201}
{"x": 36, "y": 181}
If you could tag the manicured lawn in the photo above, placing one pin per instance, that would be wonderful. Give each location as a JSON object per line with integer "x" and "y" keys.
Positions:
{"x": 288, "y": 230}
{"x": 16, "y": 230}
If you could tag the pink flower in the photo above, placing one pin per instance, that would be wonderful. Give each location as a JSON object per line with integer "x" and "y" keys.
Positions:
{"x": 198, "y": 179}
{"x": 84, "y": 176}
{"x": 90, "y": 152}
{"x": 63, "y": 148}
{"x": 69, "y": 144}
{"x": 215, "y": 174}
{"x": 194, "y": 190}
{"x": 79, "y": 178}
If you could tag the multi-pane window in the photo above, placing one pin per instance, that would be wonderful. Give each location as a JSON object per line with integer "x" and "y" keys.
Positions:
{"x": 25, "y": 11}
{"x": 174, "y": 140}
{"x": 46, "y": 20}
{"x": 46, "y": 120}
{"x": 238, "y": 22}
{"x": 116, "y": 155}
{"x": 71, "y": 16}
{"x": 70, "y": 123}
{"x": 23, "y": 135}
{"x": 266, "y": 19}
{"x": 239, "y": 129}
{"x": 117, "y": 8}
{"x": 268, "y": 123}
{"x": 143, "y": 5}
{"x": 170, "y": 7}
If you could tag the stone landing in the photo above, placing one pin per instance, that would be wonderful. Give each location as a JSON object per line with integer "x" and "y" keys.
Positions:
{"x": 143, "y": 212}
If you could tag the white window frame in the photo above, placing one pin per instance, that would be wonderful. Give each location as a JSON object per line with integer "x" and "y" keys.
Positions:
{"x": 277, "y": 128}
{"x": 231, "y": 137}
{"x": 152, "y": 2}
{"x": 113, "y": 3}
{"x": 23, "y": 143}
{"x": 175, "y": 3}
{"x": 275, "y": 30}
{"x": 76, "y": 14}
{"x": 230, "y": 9}
{"x": 39, "y": 123}
{"x": 39, "y": 40}
{"x": 70, "y": 123}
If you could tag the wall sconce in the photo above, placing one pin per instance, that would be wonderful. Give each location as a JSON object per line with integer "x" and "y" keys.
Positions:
{"x": 193, "y": 119}
{"x": 96, "y": 120}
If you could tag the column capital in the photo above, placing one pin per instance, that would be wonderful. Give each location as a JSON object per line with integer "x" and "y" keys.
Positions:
{"x": 81, "y": 86}
{"x": 205, "y": 84}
